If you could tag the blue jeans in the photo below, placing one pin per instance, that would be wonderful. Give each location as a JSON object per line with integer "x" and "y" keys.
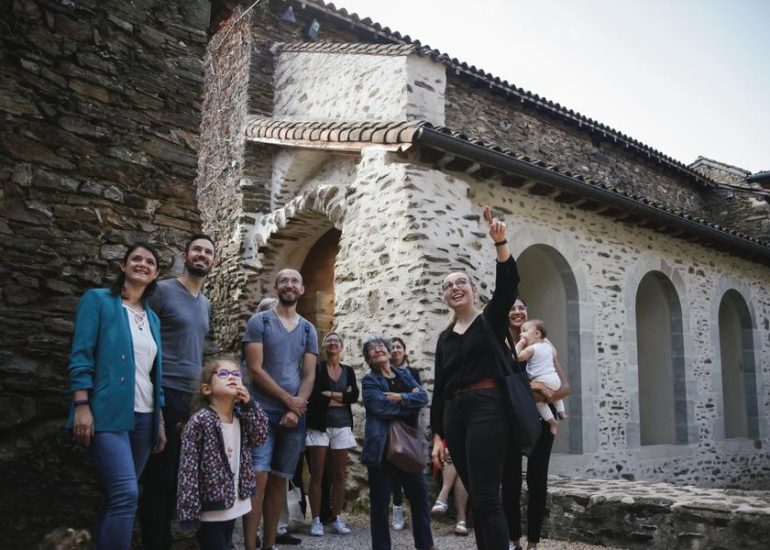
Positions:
{"x": 380, "y": 486}
{"x": 119, "y": 458}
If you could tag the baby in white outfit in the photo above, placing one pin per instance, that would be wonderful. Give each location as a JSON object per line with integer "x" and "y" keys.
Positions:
{"x": 539, "y": 354}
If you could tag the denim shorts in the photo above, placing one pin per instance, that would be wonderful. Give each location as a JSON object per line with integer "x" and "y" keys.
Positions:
{"x": 282, "y": 449}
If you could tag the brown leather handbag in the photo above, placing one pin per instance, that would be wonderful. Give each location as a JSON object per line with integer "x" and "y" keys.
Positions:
{"x": 406, "y": 448}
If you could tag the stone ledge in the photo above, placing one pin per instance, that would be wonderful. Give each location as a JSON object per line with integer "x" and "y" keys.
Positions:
{"x": 636, "y": 514}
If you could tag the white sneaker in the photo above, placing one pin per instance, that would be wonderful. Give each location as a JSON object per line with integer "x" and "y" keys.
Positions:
{"x": 316, "y": 528}
{"x": 398, "y": 518}
{"x": 339, "y": 526}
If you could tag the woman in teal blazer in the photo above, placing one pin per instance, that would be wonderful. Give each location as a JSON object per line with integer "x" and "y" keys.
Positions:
{"x": 115, "y": 377}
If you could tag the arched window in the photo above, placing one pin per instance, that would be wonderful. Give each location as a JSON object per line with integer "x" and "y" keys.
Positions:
{"x": 736, "y": 345}
{"x": 548, "y": 285}
{"x": 660, "y": 354}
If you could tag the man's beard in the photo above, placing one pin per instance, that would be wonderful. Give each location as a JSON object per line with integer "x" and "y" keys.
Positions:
{"x": 193, "y": 269}
{"x": 287, "y": 301}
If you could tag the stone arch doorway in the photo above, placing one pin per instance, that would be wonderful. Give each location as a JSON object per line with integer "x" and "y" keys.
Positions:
{"x": 317, "y": 304}
{"x": 548, "y": 286}
{"x": 661, "y": 369}
{"x": 738, "y": 372}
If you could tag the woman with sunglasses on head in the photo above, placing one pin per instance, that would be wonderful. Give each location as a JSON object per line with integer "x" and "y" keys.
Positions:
{"x": 115, "y": 377}
{"x": 469, "y": 406}
{"x": 537, "y": 463}
{"x": 330, "y": 432}
{"x": 390, "y": 394}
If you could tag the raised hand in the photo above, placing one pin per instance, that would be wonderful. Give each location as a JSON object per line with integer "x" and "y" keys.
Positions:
{"x": 243, "y": 394}
{"x": 496, "y": 227}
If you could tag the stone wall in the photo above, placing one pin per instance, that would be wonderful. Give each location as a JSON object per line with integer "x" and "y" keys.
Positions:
{"x": 234, "y": 177}
{"x": 403, "y": 225}
{"x": 643, "y": 515}
{"x": 381, "y": 87}
{"x": 99, "y": 118}
{"x": 736, "y": 207}
{"x": 478, "y": 112}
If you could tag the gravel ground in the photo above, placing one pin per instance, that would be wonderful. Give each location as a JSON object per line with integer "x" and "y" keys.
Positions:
{"x": 401, "y": 540}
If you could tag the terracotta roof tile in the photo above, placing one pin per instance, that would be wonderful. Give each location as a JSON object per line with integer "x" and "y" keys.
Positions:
{"x": 356, "y": 48}
{"x": 384, "y": 132}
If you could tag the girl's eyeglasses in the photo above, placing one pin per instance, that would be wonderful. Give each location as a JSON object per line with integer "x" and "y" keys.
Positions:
{"x": 225, "y": 374}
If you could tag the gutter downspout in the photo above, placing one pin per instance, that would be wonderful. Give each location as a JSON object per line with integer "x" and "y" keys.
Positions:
{"x": 505, "y": 163}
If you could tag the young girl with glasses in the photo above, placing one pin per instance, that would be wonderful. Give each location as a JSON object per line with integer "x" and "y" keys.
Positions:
{"x": 216, "y": 480}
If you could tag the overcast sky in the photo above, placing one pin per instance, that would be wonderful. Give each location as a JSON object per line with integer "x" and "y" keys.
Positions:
{"x": 686, "y": 77}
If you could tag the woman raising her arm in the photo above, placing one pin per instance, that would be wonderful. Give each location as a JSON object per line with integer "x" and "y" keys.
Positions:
{"x": 469, "y": 407}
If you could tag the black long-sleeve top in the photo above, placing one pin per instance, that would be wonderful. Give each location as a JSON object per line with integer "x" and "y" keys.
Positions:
{"x": 317, "y": 404}
{"x": 464, "y": 359}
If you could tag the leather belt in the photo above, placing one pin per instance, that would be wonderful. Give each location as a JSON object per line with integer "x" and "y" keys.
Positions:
{"x": 485, "y": 384}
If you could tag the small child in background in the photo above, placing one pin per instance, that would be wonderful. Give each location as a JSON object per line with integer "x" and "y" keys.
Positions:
{"x": 539, "y": 354}
{"x": 216, "y": 479}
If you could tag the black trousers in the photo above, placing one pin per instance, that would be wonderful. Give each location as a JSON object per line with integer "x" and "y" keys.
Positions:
{"x": 215, "y": 535}
{"x": 537, "y": 487}
{"x": 158, "y": 498}
{"x": 478, "y": 432}
{"x": 380, "y": 486}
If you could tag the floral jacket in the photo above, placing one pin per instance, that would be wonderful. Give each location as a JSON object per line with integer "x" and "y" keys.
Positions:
{"x": 205, "y": 477}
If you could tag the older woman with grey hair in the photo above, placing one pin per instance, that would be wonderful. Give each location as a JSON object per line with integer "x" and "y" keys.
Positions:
{"x": 390, "y": 394}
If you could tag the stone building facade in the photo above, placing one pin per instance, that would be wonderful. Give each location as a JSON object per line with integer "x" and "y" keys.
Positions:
{"x": 365, "y": 152}
{"x": 99, "y": 120}
{"x": 148, "y": 120}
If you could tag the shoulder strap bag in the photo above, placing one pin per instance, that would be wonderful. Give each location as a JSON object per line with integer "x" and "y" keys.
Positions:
{"x": 526, "y": 420}
{"x": 406, "y": 449}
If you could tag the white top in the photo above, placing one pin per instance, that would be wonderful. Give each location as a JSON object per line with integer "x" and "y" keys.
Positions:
{"x": 541, "y": 362}
{"x": 231, "y": 433}
{"x": 145, "y": 350}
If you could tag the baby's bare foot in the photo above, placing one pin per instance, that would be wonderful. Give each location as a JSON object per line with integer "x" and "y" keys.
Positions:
{"x": 554, "y": 425}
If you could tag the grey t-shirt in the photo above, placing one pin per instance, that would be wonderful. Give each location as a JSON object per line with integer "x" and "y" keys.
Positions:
{"x": 282, "y": 352}
{"x": 338, "y": 417}
{"x": 184, "y": 325}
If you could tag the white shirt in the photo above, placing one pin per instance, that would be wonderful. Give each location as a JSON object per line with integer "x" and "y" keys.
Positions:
{"x": 231, "y": 434}
{"x": 145, "y": 350}
{"x": 541, "y": 362}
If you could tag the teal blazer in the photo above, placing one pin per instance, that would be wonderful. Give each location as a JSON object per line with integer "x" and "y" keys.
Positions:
{"x": 102, "y": 362}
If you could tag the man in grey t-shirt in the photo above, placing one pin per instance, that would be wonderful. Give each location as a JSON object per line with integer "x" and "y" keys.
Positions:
{"x": 281, "y": 348}
{"x": 184, "y": 314}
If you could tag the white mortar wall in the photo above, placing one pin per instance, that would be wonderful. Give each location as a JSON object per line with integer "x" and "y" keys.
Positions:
{"x": 309, "y": 86}
{"x": 357, "y": 88}
{"x": 609, "y": 259}
{"x": 405, "y": 226}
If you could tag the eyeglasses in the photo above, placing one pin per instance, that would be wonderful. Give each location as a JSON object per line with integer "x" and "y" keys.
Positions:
{"x": 519, "y": 308}
{"x": 459, "y": 283}
{"x": 289, "y": 280}
{"x": 224, "y": 374}
{"x": 377, "y": 345}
